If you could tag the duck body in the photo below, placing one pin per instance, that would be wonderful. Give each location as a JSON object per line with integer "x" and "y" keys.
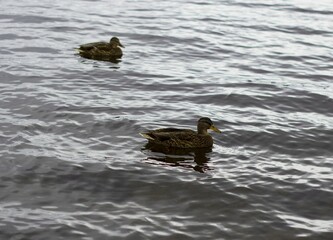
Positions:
{"x": 178, "y": 138}
{"x": 182, "y": 138}
{"x": 102, "y": 50}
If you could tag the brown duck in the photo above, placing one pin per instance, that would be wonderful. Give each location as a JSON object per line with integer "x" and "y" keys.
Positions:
{"x": 102, "y": 50}
{"x": 183, "y": 138}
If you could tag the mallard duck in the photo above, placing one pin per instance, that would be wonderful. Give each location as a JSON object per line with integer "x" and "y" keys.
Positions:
{"x": 183, "y": 138}
{"x": 102, "y": 50}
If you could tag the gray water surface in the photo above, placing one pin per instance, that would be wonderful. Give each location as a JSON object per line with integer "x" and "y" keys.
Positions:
{"x": 73, "y": 165}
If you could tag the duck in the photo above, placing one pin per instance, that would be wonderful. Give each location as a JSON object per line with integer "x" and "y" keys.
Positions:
{"x": 102, "y": 50}
{"x": 175, "y": 138}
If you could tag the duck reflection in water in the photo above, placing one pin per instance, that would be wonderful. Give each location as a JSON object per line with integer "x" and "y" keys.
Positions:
{"x": 178, "y": 157}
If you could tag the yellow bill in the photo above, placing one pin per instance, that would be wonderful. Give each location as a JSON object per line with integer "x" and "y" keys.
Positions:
{"x": 215, "y": 129}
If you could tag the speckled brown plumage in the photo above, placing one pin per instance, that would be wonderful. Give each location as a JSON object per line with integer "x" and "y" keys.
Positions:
{"x": 183, "y": 138}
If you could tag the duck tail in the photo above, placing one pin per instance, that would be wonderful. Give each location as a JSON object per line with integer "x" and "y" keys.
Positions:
{"x": 146, "y": 136}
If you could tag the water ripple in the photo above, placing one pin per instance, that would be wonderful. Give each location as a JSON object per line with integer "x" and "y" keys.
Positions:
{"x": 74, "y": 166}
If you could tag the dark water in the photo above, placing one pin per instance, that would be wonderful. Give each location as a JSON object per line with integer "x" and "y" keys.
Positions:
{"x": 73, "y": 165}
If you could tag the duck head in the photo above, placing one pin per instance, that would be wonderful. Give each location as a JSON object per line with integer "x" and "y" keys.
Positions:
{"x": 115, "y": 42}
{"x": 204, "y": 124}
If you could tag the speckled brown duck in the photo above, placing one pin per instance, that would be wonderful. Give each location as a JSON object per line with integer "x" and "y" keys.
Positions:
{"x": 102, "y": 50}
{"x": 183, "y": 138}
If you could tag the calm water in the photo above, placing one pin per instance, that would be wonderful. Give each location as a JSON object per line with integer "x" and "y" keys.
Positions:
{"x": 73, "y": 165}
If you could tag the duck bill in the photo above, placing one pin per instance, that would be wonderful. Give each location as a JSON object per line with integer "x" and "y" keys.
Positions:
{"x": 215, "y": 129}
{"x": 121, "y": 45}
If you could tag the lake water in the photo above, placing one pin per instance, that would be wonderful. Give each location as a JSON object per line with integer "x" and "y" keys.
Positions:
{"x": 73, "y": 165}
